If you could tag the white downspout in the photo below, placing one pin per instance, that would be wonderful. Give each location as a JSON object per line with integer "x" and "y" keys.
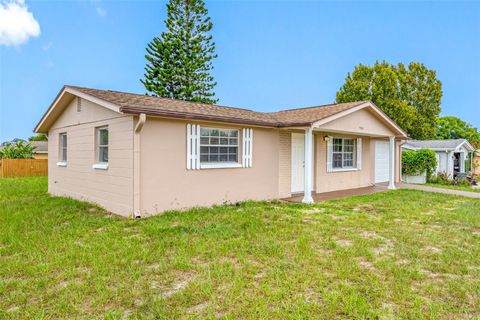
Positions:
{"x": 137, "y": 211}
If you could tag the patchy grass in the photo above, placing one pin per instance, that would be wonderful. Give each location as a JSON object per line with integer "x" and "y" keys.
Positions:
{"x": 401, "y": 254}
{"x": 461, "y": 188}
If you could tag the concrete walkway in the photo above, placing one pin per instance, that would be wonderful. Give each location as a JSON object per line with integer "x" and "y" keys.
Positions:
{"x": 438, "y": 190}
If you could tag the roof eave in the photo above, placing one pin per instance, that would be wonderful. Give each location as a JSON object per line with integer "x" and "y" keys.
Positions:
{"x": 194, "y": 116}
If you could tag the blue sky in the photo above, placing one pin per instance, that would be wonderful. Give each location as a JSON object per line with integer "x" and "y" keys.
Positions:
{"x": 272, "y": 55}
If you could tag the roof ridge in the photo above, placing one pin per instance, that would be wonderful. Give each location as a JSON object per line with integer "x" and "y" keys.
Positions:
{"x": 157, "y": 97}
{"x": 321, "y": 106}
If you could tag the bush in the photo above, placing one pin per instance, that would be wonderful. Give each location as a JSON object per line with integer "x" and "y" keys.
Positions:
{"x": 19, "y": 150}
{"x": 416, "y": 162}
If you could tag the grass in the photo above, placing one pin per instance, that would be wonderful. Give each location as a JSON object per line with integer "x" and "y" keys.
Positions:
{"x": 443, "y": 186}
{"x": 401, "y": 254}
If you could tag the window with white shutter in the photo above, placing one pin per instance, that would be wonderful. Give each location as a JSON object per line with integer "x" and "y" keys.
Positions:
{"x": 247, "y": 147}
{"x": 193, "y": 146}
{"x": 209, "y": 148}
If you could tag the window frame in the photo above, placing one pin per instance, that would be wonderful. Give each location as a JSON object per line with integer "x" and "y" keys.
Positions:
{"x": 342, "y": 153}
{"x": 100, "y": 164}
{"x": 220, "y": 163}
{"x": 62, "y": 149}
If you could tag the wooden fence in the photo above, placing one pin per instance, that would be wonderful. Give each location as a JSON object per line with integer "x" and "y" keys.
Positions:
{"x": 10, "y": 168}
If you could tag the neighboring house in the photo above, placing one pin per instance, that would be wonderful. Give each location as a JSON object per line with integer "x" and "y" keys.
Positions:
{"x": 453, "y": 156}
{"x": 139, "y": 154}
{"x": 41, "y": 149}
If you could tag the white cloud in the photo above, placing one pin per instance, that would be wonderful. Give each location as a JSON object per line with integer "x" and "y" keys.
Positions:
{"x": 47, "y": 46}
{"x": 17, "y": 24}
{"x": 101, "y": 12}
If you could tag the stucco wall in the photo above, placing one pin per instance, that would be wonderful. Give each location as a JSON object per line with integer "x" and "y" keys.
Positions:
{"x": 165, "y": 182}
{"x": 361, "y": 122}
{"x": 112, "y": 188}
{"x": 285, "y": 162}
{"x": 331, "y": 181}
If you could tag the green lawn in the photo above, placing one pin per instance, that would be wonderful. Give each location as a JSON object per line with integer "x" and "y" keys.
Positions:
{"x": 461, "y": 188}
{"x": 401, "y": 254}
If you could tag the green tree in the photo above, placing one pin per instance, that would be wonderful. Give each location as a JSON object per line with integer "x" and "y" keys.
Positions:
{"x": 179, "y": 62}
{"x": 456, "y": 128}
{"x": 410, "y": 95}
{"x": 19, "y": 150}
{"x": 39, "y": 137}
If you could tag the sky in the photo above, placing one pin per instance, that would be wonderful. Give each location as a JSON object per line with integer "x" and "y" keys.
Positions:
{"x": 272, "y": 55}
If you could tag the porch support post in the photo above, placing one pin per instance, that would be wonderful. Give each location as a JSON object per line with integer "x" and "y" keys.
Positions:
{"x": 307, "y": 197}
{"x": 391, "y": 184}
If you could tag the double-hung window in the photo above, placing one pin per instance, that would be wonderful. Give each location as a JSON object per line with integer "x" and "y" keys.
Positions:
{"x": 102, "y": 148}
{"x": 344, "y": 151}
{"x": 218, "y": 145}
{"x": 62, "y": 151}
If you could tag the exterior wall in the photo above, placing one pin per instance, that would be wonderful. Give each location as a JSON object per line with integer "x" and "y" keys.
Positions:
{"x": 332, "y": 181}
{"x": 398, "y": 161}
{"x": 166, "y": 184}
{"x": 285, "y": 165}
{"x": 111, "y": 188}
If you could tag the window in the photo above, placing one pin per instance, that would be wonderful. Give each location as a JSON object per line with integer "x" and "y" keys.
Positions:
{"x": 218, "y": 145}
{"x": 343, "y": 153}
{"x": 102, "y": 142}
{"x": 62, "y": 144}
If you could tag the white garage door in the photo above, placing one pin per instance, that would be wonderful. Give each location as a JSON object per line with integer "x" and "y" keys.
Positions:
{"x": 382, "y": 161}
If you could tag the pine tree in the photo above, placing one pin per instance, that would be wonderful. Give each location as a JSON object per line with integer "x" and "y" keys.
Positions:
{"x": 179, "y": 62}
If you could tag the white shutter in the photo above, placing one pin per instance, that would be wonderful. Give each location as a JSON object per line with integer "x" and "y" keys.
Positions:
{"x": 359, "y": 153}
{"x": 193, "y": 146}
{"x": 247, "y": 147}
{"x": 330, "y": 154}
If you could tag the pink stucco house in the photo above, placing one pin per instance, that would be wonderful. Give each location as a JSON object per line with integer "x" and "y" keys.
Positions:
{"x": 140, "y": 155}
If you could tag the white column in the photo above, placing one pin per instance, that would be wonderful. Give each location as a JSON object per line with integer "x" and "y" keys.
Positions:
{"x": 450, "y": 164}
{"x": 307, "y": 197}
{"x": 391, "y": 184}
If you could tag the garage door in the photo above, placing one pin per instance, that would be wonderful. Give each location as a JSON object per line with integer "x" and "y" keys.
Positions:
{"x": 382, "y": 161}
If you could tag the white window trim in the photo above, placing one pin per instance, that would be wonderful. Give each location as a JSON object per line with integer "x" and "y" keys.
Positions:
{"x": 345, "y": 169}
{"x": 220, "y": 165}
{"x": 100, "y": 166}
{"x": 61, "y": 150}
{"x": 330, "y": 167}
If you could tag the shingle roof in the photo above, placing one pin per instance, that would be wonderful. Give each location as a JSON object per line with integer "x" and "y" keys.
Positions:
{"x": 136, "y": 104}
{"x": 451, "y": 144}
{"x": 41, "y": 146}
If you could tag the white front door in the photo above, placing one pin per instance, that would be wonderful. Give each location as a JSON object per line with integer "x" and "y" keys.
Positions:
{"x": 382, "y": 161}
{"x": 298, "y": 162}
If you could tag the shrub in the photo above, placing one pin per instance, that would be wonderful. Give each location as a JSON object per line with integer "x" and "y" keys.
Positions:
{"x": 19, "y": 150}
{"x": 417, "y": 162}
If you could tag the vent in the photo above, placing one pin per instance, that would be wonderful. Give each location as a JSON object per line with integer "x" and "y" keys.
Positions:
{"x": 79, "y": 105}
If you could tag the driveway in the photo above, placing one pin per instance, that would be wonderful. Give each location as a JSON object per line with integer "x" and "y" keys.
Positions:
{"x": 438, "y": 190}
